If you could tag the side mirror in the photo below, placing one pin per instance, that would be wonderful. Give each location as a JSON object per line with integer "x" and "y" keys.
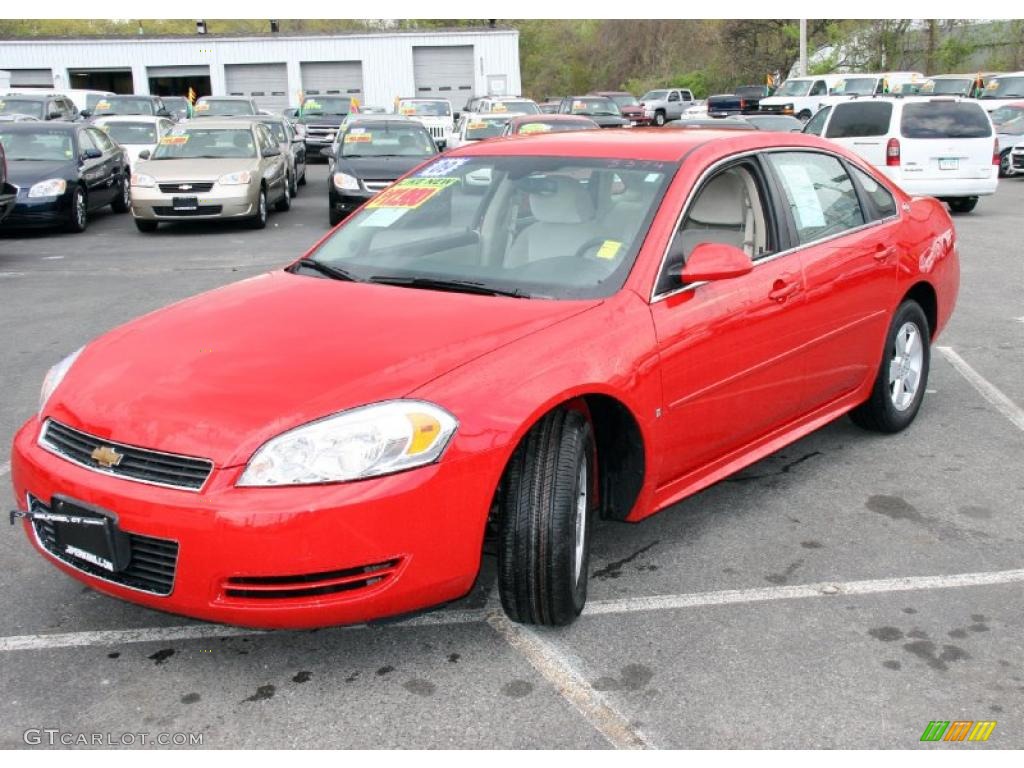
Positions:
{"x": 456, "y": 116}
{"x": 85, "y": 113}
{"x": 163, "y": 113}
{"x": 91, "y": 154}
{"x": 715, "y": 261}
{"x": 144, "y": 154}
{"x": 55, "y": 116}
{"x": 271, "y": 151}
{"x": 327, "y": 152}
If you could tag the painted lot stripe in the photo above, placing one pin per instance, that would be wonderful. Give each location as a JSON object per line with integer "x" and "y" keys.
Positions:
{"x": 594, "y": 608}
{"x": 985, "y": 388}
{"x": 5, "y": 468}
{"x": 558, "y": 670}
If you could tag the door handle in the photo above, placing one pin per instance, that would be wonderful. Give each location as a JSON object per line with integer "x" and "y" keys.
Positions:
{"x": 781, "y": 290}
{"x": 882, "y": 252}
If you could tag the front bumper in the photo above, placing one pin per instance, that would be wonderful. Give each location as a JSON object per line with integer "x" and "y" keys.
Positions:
{"x": 29, "y": 212}
{"x": 222, "y": 202}
{"x": 346, "y": 201}
{"x": 251, "y": 556}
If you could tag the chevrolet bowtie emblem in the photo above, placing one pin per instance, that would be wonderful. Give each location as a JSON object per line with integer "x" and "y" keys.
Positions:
{"x": 184, "y": 187}
{"x": 106, "y": 456}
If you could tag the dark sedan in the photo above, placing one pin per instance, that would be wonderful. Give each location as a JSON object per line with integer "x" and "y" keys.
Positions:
{"x": 600, "y": 109}
{"x": 368, "y": 155}
{"x": 62, "y": 171}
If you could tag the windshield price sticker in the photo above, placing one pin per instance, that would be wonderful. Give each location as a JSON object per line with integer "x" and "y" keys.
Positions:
{"x": 534, "y": 128}
{"x": 202, "y": 107}
{"x": 357, "y": 129}
{"x": 173, "y": 141}
{"x": 579, "y": 105}
{"x": 499, "y": 107}
{"x": 476, "y": 125}
{"x": 609, "y": 249}
{"x": 102, "y": 104}
{"x": 358, "y": 138}
{"x": 443, "y": 168}
{"x": 408, "y": 110}
{"x": 410, "y": 193}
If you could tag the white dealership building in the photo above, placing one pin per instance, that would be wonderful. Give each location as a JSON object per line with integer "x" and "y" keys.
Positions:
{"x": 375, "y": 68}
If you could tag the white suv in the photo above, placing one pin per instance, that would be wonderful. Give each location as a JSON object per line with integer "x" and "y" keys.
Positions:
{"x": 942, "y": 147}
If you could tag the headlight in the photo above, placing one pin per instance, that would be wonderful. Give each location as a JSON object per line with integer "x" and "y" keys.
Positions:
{"x": 241, "y": 177}
{"x": 143, "y": 180}
{"x": 48, "y": 188}
{"x": 364, "y": 442}
{"x": 344, "y": 181}
{"x": 55, "y": 376}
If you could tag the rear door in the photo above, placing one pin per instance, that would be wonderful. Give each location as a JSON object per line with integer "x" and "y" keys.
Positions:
{"x": 945, "y": 140}
{"x": 95, "y": 171}
{"x": 862, "y": 127}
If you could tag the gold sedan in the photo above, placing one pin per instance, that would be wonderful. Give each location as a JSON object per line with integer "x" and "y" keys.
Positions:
{"x": 212, "y": 169}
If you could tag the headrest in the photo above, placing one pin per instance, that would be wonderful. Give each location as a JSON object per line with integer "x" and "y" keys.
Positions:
{"x": 562, "y": 200}
{"x": 720, "y": 203}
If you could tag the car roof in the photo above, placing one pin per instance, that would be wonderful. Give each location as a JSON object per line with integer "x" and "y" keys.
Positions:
{"x": 130, "y": 96}
{"x": 225, "y": 98}
{"x": 35, "y": 96}
{"x": 383, "y": 120}
{"x": 220, "y": 122}
{"x": 47, "y": 125}
{"x": 558, "y": 118}
{"x": 131, "y": 119}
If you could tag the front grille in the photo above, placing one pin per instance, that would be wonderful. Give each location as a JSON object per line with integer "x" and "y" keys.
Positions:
{"x": 375, "y": 185}
{"x": 321, "y": 130}
{"x": 138, "y": 464}
{"x": 193, "y": 186}
{"x": 436, "y": 131}
{"x": 151, "y": 568}
{"x": 202, "y": 210}
{"x": 311, "y": 584}
{"x": 1018, "y": 160}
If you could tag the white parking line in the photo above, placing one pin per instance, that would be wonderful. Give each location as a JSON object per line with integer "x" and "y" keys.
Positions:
{"x": 558, "y": 670}
{"x": 5, "y": 468}
{"x": 989, "y": 391}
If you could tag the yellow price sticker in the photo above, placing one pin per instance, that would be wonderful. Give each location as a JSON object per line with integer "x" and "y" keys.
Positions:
{"x": 358, "y": 138}
{"x": 499, "y": 107}
{"x": 476, "y": 125}
{"x": 202, "y": 107}
{"x": 534, "y": 128}
{"x": 173, "y": 141}
{"x": 609, "y": 249}
{"x": 102, "y": 104}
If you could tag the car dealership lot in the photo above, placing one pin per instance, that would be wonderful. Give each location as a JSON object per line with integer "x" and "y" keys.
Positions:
{"x": 740, "y": 656}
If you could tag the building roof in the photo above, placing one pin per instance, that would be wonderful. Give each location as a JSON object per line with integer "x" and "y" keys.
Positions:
{"x": 131, "y": 33}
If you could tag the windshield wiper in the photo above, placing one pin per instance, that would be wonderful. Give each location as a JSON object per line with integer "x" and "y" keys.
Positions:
{"x": 335, "y": 273}
{"x": 439, "y": 284}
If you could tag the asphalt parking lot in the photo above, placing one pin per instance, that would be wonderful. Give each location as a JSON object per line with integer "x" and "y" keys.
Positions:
{"x": 841, "y": 593}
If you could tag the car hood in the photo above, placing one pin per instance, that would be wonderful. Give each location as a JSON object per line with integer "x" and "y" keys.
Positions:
{"x": 198, "y": 169}
{"x": 379, "y": 167}
{"x": 24, "y": 173}
{"x": 219, "y": 374}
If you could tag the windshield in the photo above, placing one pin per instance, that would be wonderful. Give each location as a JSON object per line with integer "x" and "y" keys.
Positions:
{"x": 278, "y": 132}
{"x": 1004, "y": 88}
{"x": 954, "y": 86}
{"x": 794, "y": 88}
{"x": 855, "y": 86}
{"x": 191, "y": 142}
{"x": 326, "y": 105}
{"x": 1006, "y": 114}
{"x": 555, "y": 126}
{"x": 91, "y": 99}
{"x": 214, "y": 107}
{"x": 114, "y": 106}
{"x": 21, "y": 107}
{"x": 40, "y": 144}
{"x": 601, "y": 106}
{"x": 1014, "y": 127}
{"x": 386, "y": 141}
{"x": 490, "y": 223}
{"x": 655, "y": 96}
{"x": 485, "y": 127}
{"x": 130, "y": 133}
{"x": 523, "y": 107}
{"x": 625, "y": 100}
{"x": 425, "y": 108}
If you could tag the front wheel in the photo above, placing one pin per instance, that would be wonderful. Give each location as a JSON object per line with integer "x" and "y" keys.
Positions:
{"x": 962, "y": 204}
{"x": 547, "y": 510}
{"x": 903, "y": 375}
{"x": 285, "y": 202}
{"x": 659, "y": 118}
{"x": 259, "y": 220}
{"x": 122, "y": 201}
{"x": 1005, "y": 167}
{"x": 78, "y": 216}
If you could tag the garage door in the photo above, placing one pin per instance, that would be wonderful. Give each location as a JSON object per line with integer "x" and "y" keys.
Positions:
{"x": 266, "y": 83}
{"x": 182, "y": 71}
{"x": 31, "y": 78}
{"x": 335, "y": 78}
{"x": 443, "y": 70}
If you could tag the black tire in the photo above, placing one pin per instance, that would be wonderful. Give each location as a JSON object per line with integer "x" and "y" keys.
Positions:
{"x": 285, "y": 203}
{"x": 293, "y": 186}
{"x": 1005, "y": 164}
{"x": 122, "y": 201}
{"x": 259, "y": 220}
{"x": 962, "y": 204}
{"x": 78, "y": 216}
{"x": 302, "y": 178}
{"x": 805, "y": 115}
{"x": 145, "y": 225}
{"x": 538, "y": 577}
{"x": 659, "y": 118}
{"x": 880, "y": 413}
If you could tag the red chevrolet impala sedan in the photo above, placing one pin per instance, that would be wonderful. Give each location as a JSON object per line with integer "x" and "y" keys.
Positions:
{"x": 515, "y": 338}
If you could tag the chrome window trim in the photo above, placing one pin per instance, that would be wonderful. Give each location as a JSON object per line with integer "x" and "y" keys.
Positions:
{"x": 50, "y": 448}
{"x": 656, "y": 297}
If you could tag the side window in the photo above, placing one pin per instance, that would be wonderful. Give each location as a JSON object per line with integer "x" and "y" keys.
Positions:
{"x": 852, "y": 119}
{"x": 819, "y": 193}
{"x": 729, "y": 208}
{"x": 673, "y": 96}
{"x": 51, "y": 107}
{"x": 101, "y": 140}
{"x": 687, "y": 96}
{"x": 266, "y": 141}
{"x": 878, "y": 196}
{"x": 817, "y": 123}
{"x": 819, "y": 89}
{"x": 85, "y": 141}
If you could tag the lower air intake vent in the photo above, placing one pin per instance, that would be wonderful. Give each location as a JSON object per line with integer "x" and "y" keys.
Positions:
{"x": 311, "y": 584}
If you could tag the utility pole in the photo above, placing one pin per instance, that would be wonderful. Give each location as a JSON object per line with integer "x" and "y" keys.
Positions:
{"x": 803, "y": 47}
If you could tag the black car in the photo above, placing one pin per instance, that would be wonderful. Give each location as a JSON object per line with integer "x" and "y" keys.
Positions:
{"x": 715, "y": 123}
{"x": 179, "y": 107}
{"x": 41, "y": 106}
{"x": 8, "y": 193}
{"x": 129, "y": 105}
{"x": 600, "y": 109}
{"x": 368, "y": 155}
{"x": 321, "y": 118}
{"x": 62, "y": 171}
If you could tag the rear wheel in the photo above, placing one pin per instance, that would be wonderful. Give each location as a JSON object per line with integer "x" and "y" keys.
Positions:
{"x": 259, "y": 220}
{"x": 547, "y": 510}
{"x": 78, "y": 216}
{"x": 962, "y": 204}
{"x": 293, "y": 186}
{"x": 122, "y": 201}
{"x": 302, "y": 178}
{"x": 145, "y": 225}
{"x": 903, "y": 375}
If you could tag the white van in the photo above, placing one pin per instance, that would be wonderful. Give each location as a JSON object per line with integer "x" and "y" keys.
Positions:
{"x": 800, "y": 96}
{"x": 942, "y": 147}
{"x": 858, "y": 86}
{"x": 1002, "y": 89}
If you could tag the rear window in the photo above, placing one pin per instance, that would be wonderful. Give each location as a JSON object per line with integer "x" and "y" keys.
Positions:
{"x": 859, "y": 118}
{"x": 949, "y": 120}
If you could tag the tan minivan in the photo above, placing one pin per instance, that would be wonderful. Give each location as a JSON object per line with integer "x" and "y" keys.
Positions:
{"x": 211, "y": 169}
